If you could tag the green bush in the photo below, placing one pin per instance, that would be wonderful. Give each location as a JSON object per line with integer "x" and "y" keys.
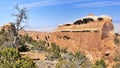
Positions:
{"x": 10, "y": 58}
{"x": 56, "y": 50}
{"x": 64, "y": 50}
{"x": 117, "y": 58}
{"x": 65, "y": 64}
{"x": 116, "y": 40}
{"x": 10, "y": 54}
{"x": 100, "y": 64}
{"x": 6, "y": 37}
{"x": 24, "y": 63}
{"x": 25, "y": 38}
{"x": 28, "y": 39}
{"x": 36, "y": 45}
{"x": 78, "y": 55}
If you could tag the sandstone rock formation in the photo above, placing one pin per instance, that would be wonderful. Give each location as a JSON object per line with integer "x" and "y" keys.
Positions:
{"x": 91, "y": 35}
{"x": 8, "y": 27}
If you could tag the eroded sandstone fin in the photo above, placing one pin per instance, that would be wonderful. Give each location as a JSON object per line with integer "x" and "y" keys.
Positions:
{"x": 91, "y": 35}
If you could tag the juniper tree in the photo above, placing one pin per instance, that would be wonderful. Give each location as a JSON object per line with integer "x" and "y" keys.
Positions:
{"x": 21, "y": 17}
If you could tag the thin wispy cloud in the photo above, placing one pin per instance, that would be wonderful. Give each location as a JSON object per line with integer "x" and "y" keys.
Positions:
{"x": 117, "y": 27}
{"x": 75, "y": 3}
{"x": 50, "y": 2}
{"x": 37, "y": 4}
{"x": 42, "y": 29}
{"x": 98, "y": 4}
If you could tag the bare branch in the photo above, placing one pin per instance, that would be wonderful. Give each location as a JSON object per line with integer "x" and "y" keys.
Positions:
{"x": 21, "y": 17}
{"x": 22, "y": 27}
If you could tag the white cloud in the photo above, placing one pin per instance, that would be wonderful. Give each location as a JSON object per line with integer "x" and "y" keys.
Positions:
{"x": 76, "y": 3}
{"x": 50, "y": 2}
{"x": 42, "y": 29}
{"x": 98, "y": 4}
{"x": 117, "y": 27}
{"x": 37, "y": 4}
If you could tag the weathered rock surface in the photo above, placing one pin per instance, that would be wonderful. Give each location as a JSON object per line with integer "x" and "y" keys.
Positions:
{"x": 8, "y": 27}
{"x": 91, "y": 35}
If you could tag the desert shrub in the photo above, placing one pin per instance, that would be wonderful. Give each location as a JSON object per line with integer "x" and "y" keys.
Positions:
{"x": 117, "y": 65}
{"x": 5, "y": 64}
{"x": 22, "y": 40}
{"x": 81, "y": 61}
{"x": 10, "y": 54}
{"x": 28, "y": 39}
{"x": 40, "y": 46}
{"x": 117, "y": 58}
{"x": 24, "y": 63}
{"x": 78, "y": 55}
{"x": 78, "y": 59}
{"x": 116, "y": 40}
{"x": 55, "y": 48}
{"x": 65, "y": 64}
{"x": 64, "y": 50}
{"x": 100, "y": 64}
{"x": 85, "y": 64}
{"x": 25, "y": 38}
{"x": 6, "y": 39}
{"x": 69, "y": 60}
{"x": 36, "y": 45}
{"x": 10, "y": 58}
{"x": 54, "y": 52}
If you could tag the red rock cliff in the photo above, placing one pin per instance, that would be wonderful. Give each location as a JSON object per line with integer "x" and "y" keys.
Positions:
{"x": 92, "y": 35}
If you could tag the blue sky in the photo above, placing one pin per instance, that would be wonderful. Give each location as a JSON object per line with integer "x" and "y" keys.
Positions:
{"x": 47, "y": 14}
